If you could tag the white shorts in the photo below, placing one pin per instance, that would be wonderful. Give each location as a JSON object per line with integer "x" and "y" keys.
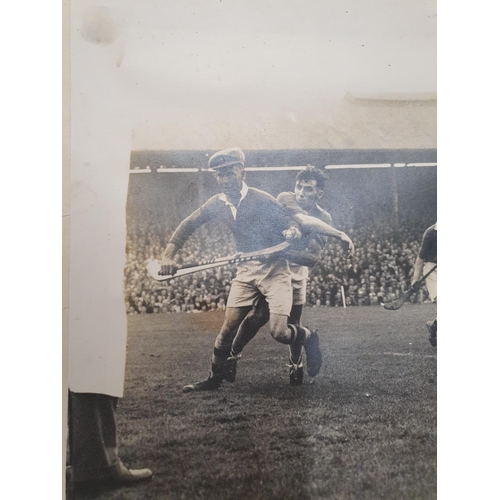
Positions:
{"x": 431, "y": 280}
{"x": 255, "y": 279}
{"x": 299, "y": 292}
{"x": 299, "y": 283}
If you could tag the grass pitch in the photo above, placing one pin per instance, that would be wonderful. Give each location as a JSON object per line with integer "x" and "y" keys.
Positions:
{"x": 365, "y": 430}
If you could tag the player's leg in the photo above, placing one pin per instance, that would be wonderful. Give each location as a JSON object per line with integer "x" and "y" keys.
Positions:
{"x": 221, "y": 368}
{"x": 432, "y": 327}
{"x": 253, "y": 322}
{"x": 299, "y": 299}
{"x": 223, "y": 359}
{"x": 279, "y": 295}
{"x": 431, "y": 284}
{"x": 286, "y": 333}
{"x": 242, "y": 298}
{"x": 296, "y": 366}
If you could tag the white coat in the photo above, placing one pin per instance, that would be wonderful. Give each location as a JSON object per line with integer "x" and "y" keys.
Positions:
{"x": 100, "y": 159}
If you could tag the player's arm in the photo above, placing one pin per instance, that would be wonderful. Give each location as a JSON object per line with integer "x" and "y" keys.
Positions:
{"x": 424, "y": 251}
{"x": 185, "y": 229}
{"x": 308, "y": 257}
{"x": 313, "y": 224}
{"x": 418, "y": 270}
{"x": 318, "y": 226}
{"x": 170, "y": 253}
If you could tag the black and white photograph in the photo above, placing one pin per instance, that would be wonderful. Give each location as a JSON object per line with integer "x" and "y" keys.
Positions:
{"x": 253, "y": 250}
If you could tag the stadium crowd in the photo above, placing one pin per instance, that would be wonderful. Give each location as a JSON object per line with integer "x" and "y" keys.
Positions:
{"x": 379, "y": 271}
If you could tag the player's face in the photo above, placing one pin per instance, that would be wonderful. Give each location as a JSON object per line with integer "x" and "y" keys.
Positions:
{"x": 307, "y": 194}
{"x": 230, "y": 180}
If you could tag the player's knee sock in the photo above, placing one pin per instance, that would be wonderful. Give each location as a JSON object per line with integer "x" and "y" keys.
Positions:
{"x": 219, "y": 358}
{"x": 298, "y": 334}
{"x": 294, "y": 334}
{"x": 295, "y": 352}
{"x": 435, "y": 327}
{"x": 220, "y": 355}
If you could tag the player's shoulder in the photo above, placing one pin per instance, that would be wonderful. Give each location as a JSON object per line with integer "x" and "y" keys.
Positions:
{"x": 286, "y": 196}
{"x": 212, "y": 204}
{"x": 216, "y": 198}
{"x": 322, "y": 214}
{"x": 430, "y": 231}
{"x": 288, "y": 201}
{"x": 258, "y": 193}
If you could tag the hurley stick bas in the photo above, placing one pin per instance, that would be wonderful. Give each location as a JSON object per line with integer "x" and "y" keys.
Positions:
{"x": 154, "y": 266}
{"x": 396, "y": 304}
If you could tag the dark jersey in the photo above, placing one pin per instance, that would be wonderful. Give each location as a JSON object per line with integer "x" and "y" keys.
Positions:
{"x": 428, "y": 250}
{"x": 259, "y": 223}
{"x": 289, "y": 203}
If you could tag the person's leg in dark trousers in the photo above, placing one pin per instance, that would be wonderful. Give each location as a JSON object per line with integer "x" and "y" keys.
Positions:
{"x": 93, "y": 446}
{"x": 93, "y": 443}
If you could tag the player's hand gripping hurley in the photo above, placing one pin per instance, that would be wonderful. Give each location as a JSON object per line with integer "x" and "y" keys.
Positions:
{"x": 396, "y": 304}
{"x": 155, "y": 268}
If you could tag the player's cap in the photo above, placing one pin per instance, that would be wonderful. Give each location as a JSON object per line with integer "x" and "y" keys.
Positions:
{"x": 227, "y": 158}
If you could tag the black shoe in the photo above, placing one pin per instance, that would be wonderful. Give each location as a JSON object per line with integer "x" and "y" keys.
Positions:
{"x": 296, "y": 372}
{"x": 432, "y": 327}
{"x": 230, "y": 367}
{"x": 313, "y": 354}
{"x": 212, "y": 383}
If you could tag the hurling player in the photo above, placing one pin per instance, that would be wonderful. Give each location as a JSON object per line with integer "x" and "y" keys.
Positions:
{"x": 426, "y": 260}
{"x": 315, "y": 222}
{"x": 257, "y": 222}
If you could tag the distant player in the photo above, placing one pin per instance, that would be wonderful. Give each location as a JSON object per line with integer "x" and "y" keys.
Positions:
{"x": 426, "y": 260}
{"x": 315, "y": 224}
{"x": 257, "y": 221}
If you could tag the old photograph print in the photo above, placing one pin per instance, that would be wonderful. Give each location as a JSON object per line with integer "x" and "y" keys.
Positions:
{"x": 204, "y": 136}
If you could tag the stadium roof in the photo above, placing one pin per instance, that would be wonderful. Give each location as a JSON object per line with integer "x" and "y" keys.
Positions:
{"x": 358, "y": 121}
